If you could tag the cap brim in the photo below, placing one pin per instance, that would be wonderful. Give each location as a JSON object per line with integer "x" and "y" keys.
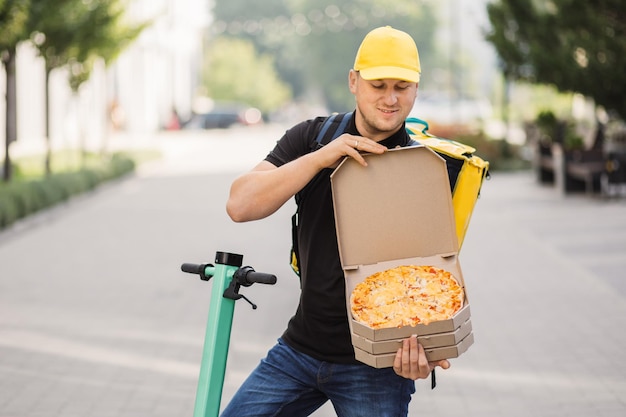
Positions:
{"x": 394, "y": 73}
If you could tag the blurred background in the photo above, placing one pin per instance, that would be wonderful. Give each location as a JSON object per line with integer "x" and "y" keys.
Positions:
{"x": 95, "y": 319}
{"x": 511, "y": 78}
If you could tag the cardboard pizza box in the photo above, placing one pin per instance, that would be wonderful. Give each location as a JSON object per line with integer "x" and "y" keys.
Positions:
{"x": 385, "y": 360}
{"x": 436, "y": 340}
{"x": 396, "y": 211}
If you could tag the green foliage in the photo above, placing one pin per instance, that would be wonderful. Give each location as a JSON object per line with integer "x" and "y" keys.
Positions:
{"x": 574, "y": 45}
{"x": 502, "y": 155}
{"x": 72, "y": 32}
{"x": 22, "y": 198}
{"x": 102, "y": 33}
{"x": 75, "y": 31}
{"x": 112, "y": 34}
{"x": 53, "y": 25}
{"x": 235, "y": 72}
{"x": 546, "y": 120}
{"x": 572, "y": 140}
{"x": 13, "y": 29}
{"x": 13, "y": 18}
{"x": 555, "y": 130}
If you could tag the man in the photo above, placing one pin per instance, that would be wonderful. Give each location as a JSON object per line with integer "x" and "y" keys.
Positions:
{"x": 313, "y": 361}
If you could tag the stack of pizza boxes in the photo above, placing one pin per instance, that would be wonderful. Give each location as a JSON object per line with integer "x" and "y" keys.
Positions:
{"x": 398, "y": 211}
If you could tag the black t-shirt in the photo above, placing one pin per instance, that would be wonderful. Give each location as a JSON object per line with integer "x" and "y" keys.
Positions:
{"x": 320, "y": 326}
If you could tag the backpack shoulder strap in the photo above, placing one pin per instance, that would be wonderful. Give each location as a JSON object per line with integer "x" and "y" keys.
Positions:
{"x": 326, "y": 134}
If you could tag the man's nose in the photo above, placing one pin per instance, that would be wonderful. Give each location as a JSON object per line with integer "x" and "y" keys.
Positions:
{"x": 391, "y": 96}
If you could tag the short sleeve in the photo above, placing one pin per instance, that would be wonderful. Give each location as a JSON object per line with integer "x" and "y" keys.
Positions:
{"x": 296, "y": 142}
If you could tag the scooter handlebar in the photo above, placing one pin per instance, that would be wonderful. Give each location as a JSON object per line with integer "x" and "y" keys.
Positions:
{"x": 260, "y": 278}
{"x": 246, "y": 276}
{"x": 192, "y": 268}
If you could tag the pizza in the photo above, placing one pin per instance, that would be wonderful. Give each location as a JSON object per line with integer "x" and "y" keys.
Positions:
{"x": 406, "y": 296}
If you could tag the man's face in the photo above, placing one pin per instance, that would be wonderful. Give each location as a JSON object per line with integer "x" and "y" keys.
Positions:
{"x": 383, "y": 105}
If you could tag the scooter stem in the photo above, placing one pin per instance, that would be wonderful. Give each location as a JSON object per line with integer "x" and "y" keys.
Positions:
{"x": 217, "y": 337}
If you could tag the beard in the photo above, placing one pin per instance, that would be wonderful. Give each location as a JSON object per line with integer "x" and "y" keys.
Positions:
{"x": 375, "y": 127}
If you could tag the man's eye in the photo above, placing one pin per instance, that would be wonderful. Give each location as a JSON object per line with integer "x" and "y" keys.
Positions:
{"x": 378, "y": 85}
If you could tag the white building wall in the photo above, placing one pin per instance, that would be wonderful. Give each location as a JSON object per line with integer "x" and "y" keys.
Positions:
{"x": 161, "y": 69}
{"x": 30, "y": 79}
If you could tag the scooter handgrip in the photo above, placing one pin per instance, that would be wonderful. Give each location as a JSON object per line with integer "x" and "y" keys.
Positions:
{"x": 192, "y": 268}
{"x": 260, "y": 278}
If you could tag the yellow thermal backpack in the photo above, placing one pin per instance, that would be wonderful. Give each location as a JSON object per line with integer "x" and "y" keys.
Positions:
{"x": 466, "y": 170}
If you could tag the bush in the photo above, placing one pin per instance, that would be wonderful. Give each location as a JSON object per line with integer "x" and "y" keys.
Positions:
{"x": 501, "y": 155}
{"x": 9, "y": 206}
{"x": 22, "y": 198}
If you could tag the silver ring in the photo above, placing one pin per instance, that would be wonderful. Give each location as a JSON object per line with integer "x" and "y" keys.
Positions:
{"x": 356, "y": 144}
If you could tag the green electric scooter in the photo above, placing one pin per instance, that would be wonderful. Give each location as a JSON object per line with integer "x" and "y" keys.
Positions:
{"x": 228, "y": 276}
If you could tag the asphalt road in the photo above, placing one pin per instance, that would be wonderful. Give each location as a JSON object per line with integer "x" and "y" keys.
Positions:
{"x": 96, "y": 318}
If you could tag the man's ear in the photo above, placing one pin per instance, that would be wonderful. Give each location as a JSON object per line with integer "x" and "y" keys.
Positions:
{"x": 352, "y": 80}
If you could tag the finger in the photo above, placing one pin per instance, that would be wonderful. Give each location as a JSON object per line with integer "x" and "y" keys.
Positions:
{"x": 350, "y": 144}
{"x": 362, "y": 144}
{"x": 370, "y": 146}
{"x": 414, "y": 350}
{"x": 353, "y": 141}
{"x": 443, "y": 364}
{"x": 415, "y": 357}
{"x": 406, "y": 356}
{"x": 397, "y": 362}
{"x": 423, "y": 365}
{"x": 357, "y": 157}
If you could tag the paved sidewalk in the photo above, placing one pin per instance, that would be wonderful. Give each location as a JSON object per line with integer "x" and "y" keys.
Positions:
{"x": 96, "y": 319}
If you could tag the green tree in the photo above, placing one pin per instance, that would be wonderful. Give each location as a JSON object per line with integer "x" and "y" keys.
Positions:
{"x": 236, "y": 72}
{"x": 72, "y": 32}
{"x": 103, "y": 34}
{"x": 13, "y": 18}
{"x": 575, "y": 45}
{"x": 53, "y": 26}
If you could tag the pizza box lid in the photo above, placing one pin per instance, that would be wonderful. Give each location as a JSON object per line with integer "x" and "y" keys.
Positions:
{"x": 396, "y": 211}
{"x": 385, "y": 360}
{"x": 436, "y": 340}
{"x": 398, "y": 207}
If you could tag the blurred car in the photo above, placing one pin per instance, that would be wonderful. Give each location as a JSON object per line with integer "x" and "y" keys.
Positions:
{"x": 224, "y": 117}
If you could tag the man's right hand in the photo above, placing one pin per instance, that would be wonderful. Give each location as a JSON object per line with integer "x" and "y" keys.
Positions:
{"x": 348, "y": 145}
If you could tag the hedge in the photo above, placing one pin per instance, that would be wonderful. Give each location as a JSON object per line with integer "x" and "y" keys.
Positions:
{"x": 22, "y": 198}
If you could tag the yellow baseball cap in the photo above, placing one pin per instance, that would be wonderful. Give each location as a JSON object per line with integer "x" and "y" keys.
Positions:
{"x": 388, "y": 53}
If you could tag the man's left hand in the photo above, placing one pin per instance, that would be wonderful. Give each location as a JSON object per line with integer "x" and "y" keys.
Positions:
{"x": 411, "y": 362}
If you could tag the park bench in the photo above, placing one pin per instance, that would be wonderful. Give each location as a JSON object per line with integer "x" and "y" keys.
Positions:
{"x": 570, "y": 170}
{"x": 577, "y": 170}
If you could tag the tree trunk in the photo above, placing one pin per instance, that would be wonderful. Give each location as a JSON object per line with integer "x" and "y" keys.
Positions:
{"x": 11, "y": 110}
{"x": 48, "y": 170}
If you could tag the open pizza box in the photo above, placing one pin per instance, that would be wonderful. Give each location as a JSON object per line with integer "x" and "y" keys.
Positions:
{"x": 398, "y": 211}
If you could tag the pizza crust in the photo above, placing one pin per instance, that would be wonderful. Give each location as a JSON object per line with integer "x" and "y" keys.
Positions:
{"x": 406, "y": 295}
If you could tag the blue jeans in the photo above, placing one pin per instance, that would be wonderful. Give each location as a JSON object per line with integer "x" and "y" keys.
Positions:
{"x": 290, "y": 384}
